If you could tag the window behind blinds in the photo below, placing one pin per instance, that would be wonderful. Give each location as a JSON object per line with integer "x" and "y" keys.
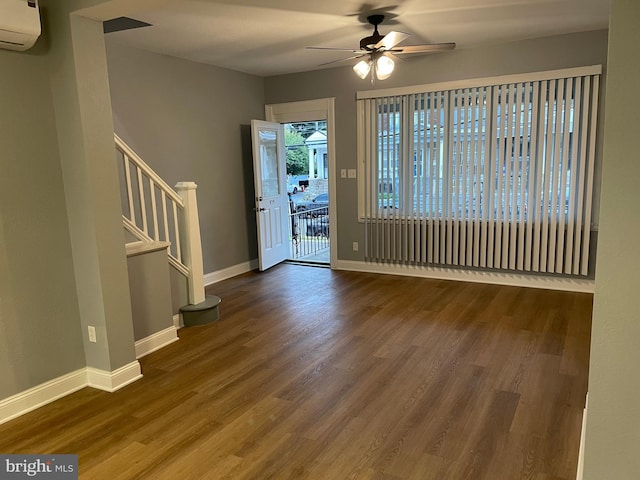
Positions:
{"x": 495, "y": 175}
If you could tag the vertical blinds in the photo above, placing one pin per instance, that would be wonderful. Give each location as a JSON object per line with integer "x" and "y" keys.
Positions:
{"x": 496, "y": 176}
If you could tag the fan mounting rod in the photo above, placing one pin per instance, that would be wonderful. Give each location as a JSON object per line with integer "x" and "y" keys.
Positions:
{"x": 368, "y": 43}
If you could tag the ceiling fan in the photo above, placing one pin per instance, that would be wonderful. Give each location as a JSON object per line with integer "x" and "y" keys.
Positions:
{"x": 381, "y": 51}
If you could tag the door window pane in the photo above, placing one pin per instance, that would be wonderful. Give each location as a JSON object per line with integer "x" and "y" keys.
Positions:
{"x": 270, "y": 168}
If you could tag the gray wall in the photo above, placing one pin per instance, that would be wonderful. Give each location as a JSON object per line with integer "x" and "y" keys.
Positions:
{"x": 189, "y": 121}
{"x": 179, "y": 290}
{"x": 82, "y": 105}
{"x": 40, "y": 338}
{"x": 613, "y": 418}
{"x": 150, "y": 293}
{"x": 62, "y": 264}
{"x": 519, "y": 57}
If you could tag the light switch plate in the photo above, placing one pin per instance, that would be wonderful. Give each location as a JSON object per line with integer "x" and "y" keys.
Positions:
{"x": 352, "y": 173}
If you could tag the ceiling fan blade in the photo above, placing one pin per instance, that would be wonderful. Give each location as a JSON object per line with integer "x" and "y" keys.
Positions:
{"x": 337, "y": 49}
{"x": 434, "y": 47}
{"x": 341, "y": 60}
{"x": 393, "y": 57}
{"x": 390, "y": 40}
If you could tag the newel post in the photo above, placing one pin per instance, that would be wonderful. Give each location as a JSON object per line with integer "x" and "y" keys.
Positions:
{"x": 192, "y": 245}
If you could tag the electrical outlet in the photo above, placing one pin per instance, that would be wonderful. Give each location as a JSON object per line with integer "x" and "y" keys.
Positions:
{"x": 355, "y": 246}
{"x": 351, "y": 173}
{"x": 92, "y": 334}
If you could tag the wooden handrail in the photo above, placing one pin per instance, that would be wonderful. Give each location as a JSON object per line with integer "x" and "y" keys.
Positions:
{"x": 146, "y": 169}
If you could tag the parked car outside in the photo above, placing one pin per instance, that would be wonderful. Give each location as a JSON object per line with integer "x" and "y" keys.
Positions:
{"x": 318, "y": 226}
{"x": 292, "y": 188}
{"x": 318, "y": 206}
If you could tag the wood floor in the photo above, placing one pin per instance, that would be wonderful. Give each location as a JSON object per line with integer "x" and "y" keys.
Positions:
{"x": 317, "y": 374}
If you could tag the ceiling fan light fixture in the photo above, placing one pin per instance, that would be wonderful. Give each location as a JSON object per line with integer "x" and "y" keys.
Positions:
{"x": 362, "y": 68}
{"x": 384, "y": 67}
{"x": 378, "y": 51}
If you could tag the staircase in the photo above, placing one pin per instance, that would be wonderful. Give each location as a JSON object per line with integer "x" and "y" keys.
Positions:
{"x": 155, "y": 212}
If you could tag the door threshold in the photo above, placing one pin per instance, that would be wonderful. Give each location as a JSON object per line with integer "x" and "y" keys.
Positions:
{"x": 308, "y": 264}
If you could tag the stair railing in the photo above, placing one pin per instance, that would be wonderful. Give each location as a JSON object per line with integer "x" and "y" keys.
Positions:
{"x": 153, "y": 211}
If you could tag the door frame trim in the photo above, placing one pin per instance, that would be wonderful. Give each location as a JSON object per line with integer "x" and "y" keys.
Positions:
{"x": 310, "y": 110}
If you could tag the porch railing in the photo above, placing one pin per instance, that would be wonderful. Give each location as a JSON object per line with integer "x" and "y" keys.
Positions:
{"x": 309, "y": 234}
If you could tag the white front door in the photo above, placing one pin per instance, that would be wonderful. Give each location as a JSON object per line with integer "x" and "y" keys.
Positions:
{"x": 272, "y": 203}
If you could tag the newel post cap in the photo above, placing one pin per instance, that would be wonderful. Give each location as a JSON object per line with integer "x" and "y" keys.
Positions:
{"x": 186, "y": 186}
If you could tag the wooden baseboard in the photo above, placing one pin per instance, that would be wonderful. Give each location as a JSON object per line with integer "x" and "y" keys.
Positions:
{"x": 156, "y": 341}
{"x": 496, "y": 278}
{"x": 115, "y": 380}
{"x": 42, "y": 394}
{"x": 219, "y": 275}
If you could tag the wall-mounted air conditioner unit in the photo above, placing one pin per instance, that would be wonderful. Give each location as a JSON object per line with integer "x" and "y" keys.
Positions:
{"x": 19, "y": 24}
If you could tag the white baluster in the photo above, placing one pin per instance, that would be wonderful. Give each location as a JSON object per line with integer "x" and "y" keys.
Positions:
{"x": 127, "y": 174}
{"x": 143, "y": 205}
{"x": 154, "y": 210}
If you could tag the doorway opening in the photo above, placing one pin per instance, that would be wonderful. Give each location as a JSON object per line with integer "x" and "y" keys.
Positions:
{"x": 308, "y": 189}
{"x": 311, "y": 116}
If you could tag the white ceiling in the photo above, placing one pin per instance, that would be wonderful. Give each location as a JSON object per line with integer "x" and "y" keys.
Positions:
{"x": 268, "y": 37}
